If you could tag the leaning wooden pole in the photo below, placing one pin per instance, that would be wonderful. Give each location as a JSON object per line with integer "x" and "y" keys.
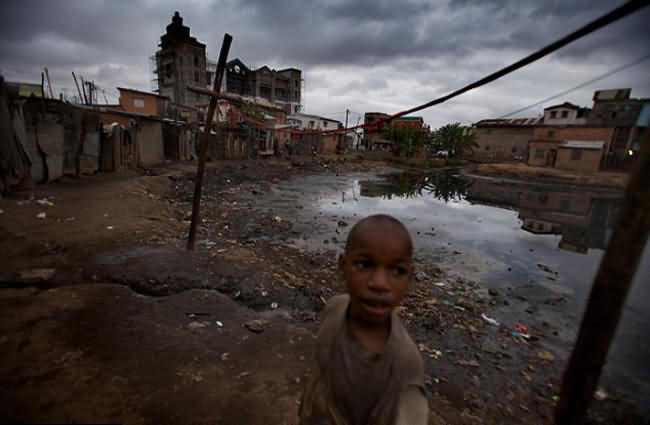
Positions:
{"x": 607, "y": 298}
{"x": 203, "y": 146}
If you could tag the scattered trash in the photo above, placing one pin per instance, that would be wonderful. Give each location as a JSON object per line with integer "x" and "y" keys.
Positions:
{"x": 420, "y": 276}
{"x": 68, "y": 219}
{"x": 274, "y": 305}
{"x": 1, "y": 211}
{"x": 277, "y": 219}
{"x": 45, "y": 202}
{"x": 196, "y": 325}
{"x": 219, "y": 324}
{"x": 109, "y": 227}
{"x": 520, "y": 335}
{"x": 41, "y": 215}
{"x": 521, "y": 328}
{"x": 256, "y": 326}
{"x": 468, "y": 363}
{"x": 490, "y": 320}
{"x": 434, "y": 354}
{"x": 225, "y": 356}
{"x": 265, "y": 293}
{"x": 459, "y": 308}
{"x": 493, "y": 291}
{"x": 601, "y": 394}
{"x": 342, "y": 223}
{"x": 546, "y": 356}
{"x": 440, "y": 284}
{"x": 243, "y": 375}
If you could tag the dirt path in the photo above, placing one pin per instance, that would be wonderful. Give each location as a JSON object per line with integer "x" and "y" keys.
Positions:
{"x": 106, "y": 318}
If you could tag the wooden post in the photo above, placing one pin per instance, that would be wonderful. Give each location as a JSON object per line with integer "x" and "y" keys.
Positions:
{"x": 607, "y": 298}
{"x": 203, "y": 146}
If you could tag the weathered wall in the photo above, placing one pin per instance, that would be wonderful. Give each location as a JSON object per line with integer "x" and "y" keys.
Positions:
{"x": 502, "y": 143}
{"x": 149, "y": 143}
{"x": 151, "y": 104}
{"x": 589, "y": 161}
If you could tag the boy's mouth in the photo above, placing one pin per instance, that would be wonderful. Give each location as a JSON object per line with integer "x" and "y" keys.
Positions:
{"x": 375, "y": 308}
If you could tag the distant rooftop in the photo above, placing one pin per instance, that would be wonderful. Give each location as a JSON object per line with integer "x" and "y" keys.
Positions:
{"x": 511, "y": 122}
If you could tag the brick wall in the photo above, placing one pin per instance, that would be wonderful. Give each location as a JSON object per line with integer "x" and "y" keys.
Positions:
{"x": 588, "y": 160}
{"x": 502, "y": 143}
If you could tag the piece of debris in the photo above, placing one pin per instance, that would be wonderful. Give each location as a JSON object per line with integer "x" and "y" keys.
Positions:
{"x": 420, "y": 276}
{"x": 45, "y": 202}
{"x": 342, "y": 223}
{"x": 2, "y": 211}
{"x": 225, "y": 356}
{"x": 109, "y": 227}
{"x": 274, "y": 305}
{"x": 277, "y": 219}
{"x": 468, "y": 363}
{"x": 490, "y": 320}
{"x": 600, "y": 394}
{"x": 41, "y": 215}
{"x": 493, "y": 291}
{"x": 256, "y": 326}
{"x": 219, "y": 324}
{"x": 440, "y": 284}
{"x": 196, "y": 325}
{"x": 546, "y": 356}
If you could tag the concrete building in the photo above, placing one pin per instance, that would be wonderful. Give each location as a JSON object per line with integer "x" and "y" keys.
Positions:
{"x": 503, "y": 139}
{"x": 566, "y": 114}
{"x": 313, "y": 122}
{"x": 408, "y": 122}
{"x": 180, "y": 61}
{"x": 282, "y": 88}
{"x": 577, "y": 148}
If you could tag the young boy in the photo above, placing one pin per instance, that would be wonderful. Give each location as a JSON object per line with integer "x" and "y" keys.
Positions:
{"x": 368, "y": 371}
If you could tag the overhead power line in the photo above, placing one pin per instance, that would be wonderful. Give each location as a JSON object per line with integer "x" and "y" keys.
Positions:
{"x": 579, "y": 86}
{"x": 613, "y": 16}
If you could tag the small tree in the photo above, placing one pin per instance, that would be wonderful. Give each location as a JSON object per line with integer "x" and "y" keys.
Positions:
{"x": 406, "y": 141}
{"x": 454, "y": 138}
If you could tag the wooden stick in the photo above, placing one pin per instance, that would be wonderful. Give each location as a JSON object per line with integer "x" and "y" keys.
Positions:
{"x": 607, "y": 298}
{"x": 203, "y": 147}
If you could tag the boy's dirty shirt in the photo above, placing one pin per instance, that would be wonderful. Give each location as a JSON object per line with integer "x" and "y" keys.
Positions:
{"x": 369, "y": 388}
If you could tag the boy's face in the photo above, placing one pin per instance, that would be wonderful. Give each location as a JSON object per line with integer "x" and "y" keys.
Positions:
{"x": 377, "y": 270}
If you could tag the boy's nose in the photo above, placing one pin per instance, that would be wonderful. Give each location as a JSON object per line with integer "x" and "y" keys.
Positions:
{"x": 379, "y": 281}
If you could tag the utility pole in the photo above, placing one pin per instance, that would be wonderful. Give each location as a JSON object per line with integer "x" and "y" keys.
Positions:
{"x": 49, "y": 85}
{"x": 345, "y": 135}
{"x": 203, "y": 147}
{"x": 607, "y": 297}
{"x": 77, "y": 84}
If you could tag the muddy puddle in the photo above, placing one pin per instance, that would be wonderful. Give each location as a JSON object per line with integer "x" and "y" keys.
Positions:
{"x": 542, "y": 243}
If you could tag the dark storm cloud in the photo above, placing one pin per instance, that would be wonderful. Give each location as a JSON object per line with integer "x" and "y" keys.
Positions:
{"x": 390, "y": 52}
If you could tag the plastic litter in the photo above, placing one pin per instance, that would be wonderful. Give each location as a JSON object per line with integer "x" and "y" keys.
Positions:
{"x": 41, "y": 215}
{"x": 109, "y": 227}
{"x": 490, "y": 320}
{"x": 1, "y": 211}
{"x": 601, "y": 394}
{"x": 277, "y": 219}
{"x": 521, "y": 328}
{"x": 274, "y": 305}
{"x": 520, "y": 335}
{"x": 440, "y": 284}
{"x": 546, "y": 356}
{"x": 45, "y": 202}
{"x": 219, "y": 324}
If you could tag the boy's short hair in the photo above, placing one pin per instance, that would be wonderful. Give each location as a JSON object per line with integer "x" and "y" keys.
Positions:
{"x": 378, "y": 220}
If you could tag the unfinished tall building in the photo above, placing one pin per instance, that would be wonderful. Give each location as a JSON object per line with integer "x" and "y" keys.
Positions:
{"x": 180, "y": 61}
{"x": 282, "y": 88}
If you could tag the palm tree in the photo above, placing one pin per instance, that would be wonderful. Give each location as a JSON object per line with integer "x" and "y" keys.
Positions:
{"x": 454, "y": 138}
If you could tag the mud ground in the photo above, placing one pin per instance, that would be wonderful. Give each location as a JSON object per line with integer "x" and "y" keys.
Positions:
{"x": 107, "y": 318}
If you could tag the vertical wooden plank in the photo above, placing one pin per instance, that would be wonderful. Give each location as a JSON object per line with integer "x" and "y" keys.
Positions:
{"x": 607, "y": 298}
{"x": 221, "y": 65}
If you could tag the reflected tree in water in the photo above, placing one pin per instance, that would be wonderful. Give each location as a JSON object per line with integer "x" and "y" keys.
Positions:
{"x": 446, "y": 185}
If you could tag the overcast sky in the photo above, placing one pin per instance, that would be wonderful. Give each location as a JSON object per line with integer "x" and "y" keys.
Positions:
{"x": 365, "y": 55}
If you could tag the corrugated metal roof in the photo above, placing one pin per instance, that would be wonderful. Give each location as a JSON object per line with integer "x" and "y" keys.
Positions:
{"x": 512, "y": 122}
{"x": 583, "y": 144}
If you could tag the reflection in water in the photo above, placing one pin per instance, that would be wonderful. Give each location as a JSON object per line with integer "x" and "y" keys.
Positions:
{"x": 446, "y": 185}
{"x": 583, "y": 217}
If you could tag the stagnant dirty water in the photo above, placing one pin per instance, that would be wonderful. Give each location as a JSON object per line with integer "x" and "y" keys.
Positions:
{"x": 543, "y": 241}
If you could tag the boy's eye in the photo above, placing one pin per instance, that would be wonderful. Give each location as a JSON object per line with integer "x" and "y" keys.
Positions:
{"x": 399, "y": 271}
{"x": 362, "y": 264}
